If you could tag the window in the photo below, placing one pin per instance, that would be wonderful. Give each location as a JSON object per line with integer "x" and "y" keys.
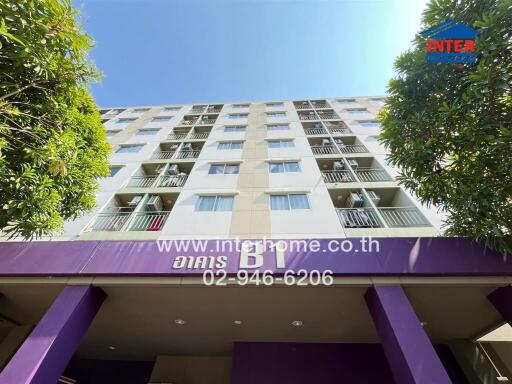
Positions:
{"x": 278, "y": 127}
{"x": 289, "y": 201}
{"x": 125, "y": 120}
{"x": 231, "y": 145}
{"x": 369, "y": 123}
{"x": 355, "y": 111}
{"x": 347, "y": 102}
{"x": 218, "y": 203}
{"x": 114, "y": 169}
{"x": 240, "y": 105}
{"x": 112, "y": 133}
{"x": 140, "y": 110}
{"x": 281, "y": 143}
{"x": 161, "y": 118}
{"x": 276, "y": 114}
{"x": 172, "y": 108}
{"x": 234, "y": 128}
{"x": 225, "y": 169}
{"x": 274, "y": 104}
{"x": 283, "y": 166}
{"x": 147, "y": 132}
{"x": 238, "y": 115}
{"x": 129, "y": 148}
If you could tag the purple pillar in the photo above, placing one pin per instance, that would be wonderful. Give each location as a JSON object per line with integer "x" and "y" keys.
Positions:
{"x": 45, "y": 353}
{"x": 501, "y": 298}
{"x": 409, "y": 352}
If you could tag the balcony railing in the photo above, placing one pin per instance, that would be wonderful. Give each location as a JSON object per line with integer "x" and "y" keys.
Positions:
{"x": 403, "y": 217}
{"x": 188, "y": 122}
{"x": 213, "y": 110}
{"x": 324, "y": 149}
{"x": 372, "y": 175}
{"x": 337, "y": 176}
{"x": 170, "y": 181}
{"x": 148, "y": 221}
{"x": 199, "y": 135}
{"x": 141, "y": 181}
{"x": 163, "y": 155}
{"x": 187, "y": 154}
{"x": 109, "y": 221}
{"x": 312, "y": 116}
{"x": 197, "y": 111}
{"x": 315, "y": 131}
{"x": 338, "y": 131}
{"x": 321, "y": 105}
{"x": 352, "y": 148}
{"x": 358, "y": 218}
{"x": 176, "y": 136}
{"x": 328, "y": 116}
{"x": 206, "y": 122}
{"x": 303, "y": 106}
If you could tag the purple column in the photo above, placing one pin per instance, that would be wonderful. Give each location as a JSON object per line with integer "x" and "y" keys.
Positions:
{"x": 409, "y": 352}
{"x": 501, "y": 298}
{"x": 44, "y": 355}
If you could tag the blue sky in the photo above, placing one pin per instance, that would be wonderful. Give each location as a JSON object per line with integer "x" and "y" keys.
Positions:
{"x": 156, "y": 52}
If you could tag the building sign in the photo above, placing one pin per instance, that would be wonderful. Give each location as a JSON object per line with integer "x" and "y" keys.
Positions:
{"x": 450, "y": 42}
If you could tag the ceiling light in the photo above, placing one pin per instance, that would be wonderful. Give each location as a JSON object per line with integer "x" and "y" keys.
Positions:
{"x": 179, "y": 321}
{"x": 423, "y": 323}
{"x": 297, "y": 323}
{"x": 111, "y": 347}
{"x": 237, "y": 322}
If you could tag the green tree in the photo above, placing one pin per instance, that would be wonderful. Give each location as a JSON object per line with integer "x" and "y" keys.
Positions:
{"x": 52, "y": 142}
{"x": 449, "y": 126}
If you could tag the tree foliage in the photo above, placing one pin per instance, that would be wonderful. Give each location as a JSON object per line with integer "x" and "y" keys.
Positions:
{"x": 449, "y": 126}
{"x": 52, "y": 142}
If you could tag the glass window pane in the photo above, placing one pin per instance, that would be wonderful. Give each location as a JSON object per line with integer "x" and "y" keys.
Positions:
{"x": 231, "y": 169}
{"x": 273, "y": 144}
{"x": 114, "y": 169}
{"x": 287, "y": 143}
{"x": 299, "y": 202}
{"x": 236, "y": 145}
{"x": 276, "y": 167}
{"x": 216, "y": 169}
{"x": 129, "y": 149}
{"x": 205, "y": 203}
{"x": 224, "y": 203}
{"x": 292, "y": 167}
{"x": 223, "y": 146}
{"x": 279, "y": 203}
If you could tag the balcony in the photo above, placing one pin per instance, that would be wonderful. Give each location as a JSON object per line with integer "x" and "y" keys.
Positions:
{"x": 165, "y": 181}
{"x": 320, "y": 104}
{"x": 142, "y": 181}
{"x": 198, "y": 135}
{"x": 349, "y": 145}
{"x": 187, "y": 154}
{"x": 148, "y": 221}
{"x": 337, "y": 127}
{"x": 197, "y": 109}
{"x": 372, "y": 175}
{"x": 358, "y": 218}
{"x": 163, "y": 155}
{"x": 178, "y": 134}
{"x": 189, "y": 120}
{"x": 207, "y": 120}
{"x": 338, "y": 177}
{"x": 109, "y": 221}
{"x": 328, "y": 115}
{"x": 308, "y": 116}
{"x": 396, "y": 217}
{"x": 302, "y": 105}
{"x": 325, "y": 149}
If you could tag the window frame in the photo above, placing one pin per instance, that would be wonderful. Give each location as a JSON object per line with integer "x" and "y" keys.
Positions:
{"x": 215, "y": 203}
{"x": 224, "y": 166}
{"x": 147, "y": 130}
{"x": 140, "y": 146}
{"x": 278, "y": 127}
{"x": 230, "y": 143}
{"x": 283, "y": 164}
{"x": 289, "y": 204}
{"x": 235, "y": 128}
{"x": 280, "y": 141}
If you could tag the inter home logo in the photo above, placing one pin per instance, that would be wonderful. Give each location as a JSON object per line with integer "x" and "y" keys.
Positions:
{"x": 450, "y": 42}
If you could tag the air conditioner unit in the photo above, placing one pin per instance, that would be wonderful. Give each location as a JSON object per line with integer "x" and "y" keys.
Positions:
{"x": 154, "y": 203}
{"x": 134, "y": 201}
{"x": 355, "y": 200}
{"x": 373, "y": 197}
{"x": 187, "y": 147}
{"x": 173, "y": 169}
{"x": 338, "y": 166}
{"x": 326, "y": 142}
{"x": 353, "y": 164}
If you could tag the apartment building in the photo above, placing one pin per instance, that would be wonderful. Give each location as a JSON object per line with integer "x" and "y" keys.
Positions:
{"x": 382, "y": 297}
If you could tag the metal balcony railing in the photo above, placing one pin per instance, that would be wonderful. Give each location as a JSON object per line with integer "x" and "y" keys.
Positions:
{"x": 315, "y": 131}
{"x": 206, "y": 122}
{"x": 197, "y": 111}
{"x": 358, "y": 218}
{"x": 303, "y": 106}
{"x": 188, "y": 122}
{"x": 187, "y": 154}
{"x": 324, "y": 149}
{"x": 213, "y": 110}
{"x": 141, "y": 181}
{"x": 328, "y": 116}
{"x": 372, "y": 175}
{"x": 311, "y": 116}
{"x": 176, "y": 136}
{"x": 403, "y": 217}
{"x": 352, "y": 148}
{"x": 163, "y": 155}
{"x": 109, "y": 221}
{"x": 170, "y": 181}
{"x": 199, "y": 135}
{"x": 321, "y": 105}
{"x": 148, "y": 221}
{"x": 338, "y": 177}
{"x": 338, "y": 131}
